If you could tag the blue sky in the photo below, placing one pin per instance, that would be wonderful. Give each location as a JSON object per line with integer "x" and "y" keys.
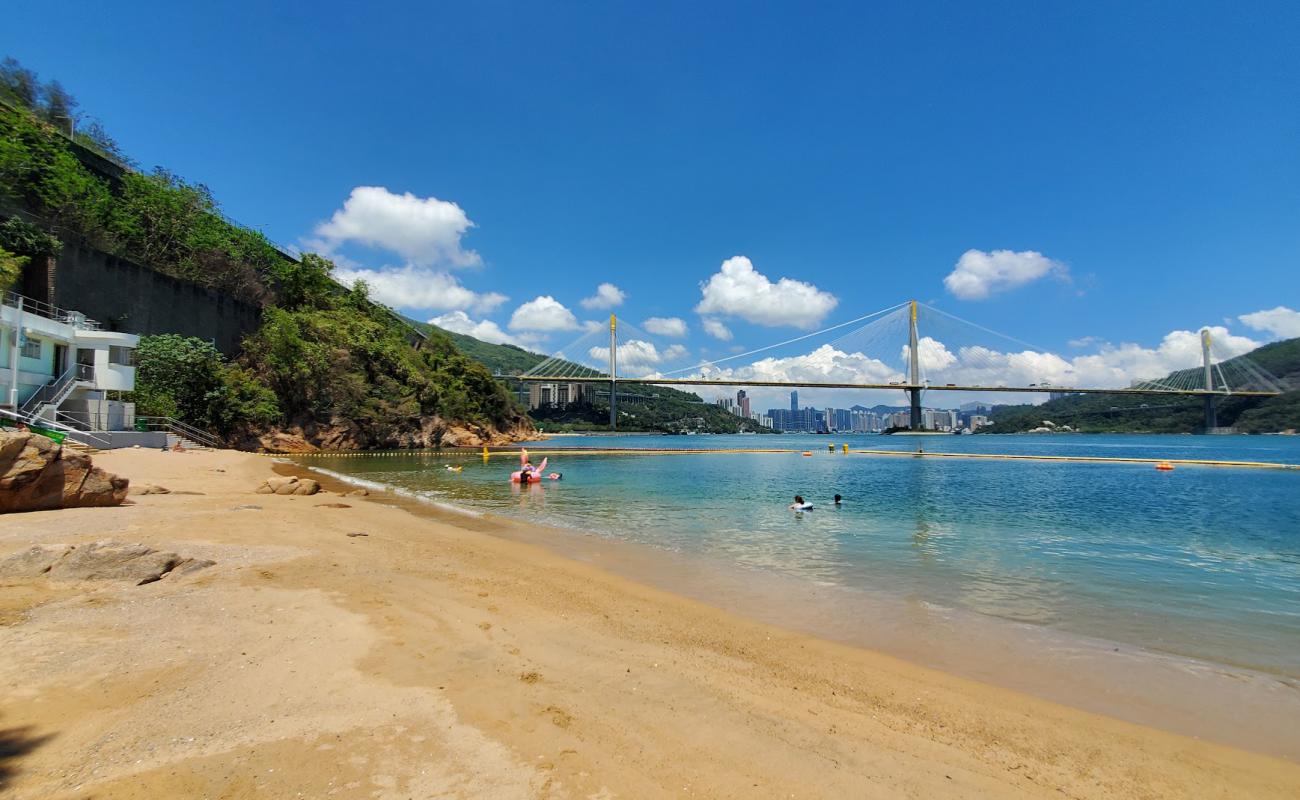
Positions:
{"x": 1137, "y": 161}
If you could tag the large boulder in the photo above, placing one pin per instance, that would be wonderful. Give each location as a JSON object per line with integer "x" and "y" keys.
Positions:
{"x": 37, "y": 474}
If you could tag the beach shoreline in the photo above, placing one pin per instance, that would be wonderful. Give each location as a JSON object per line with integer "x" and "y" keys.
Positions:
{"x": 427, "y": 659}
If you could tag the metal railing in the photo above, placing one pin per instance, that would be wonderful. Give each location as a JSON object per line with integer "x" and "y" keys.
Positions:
{"x": 88, "y": 438}
{"x": 53, "y": 392}
{"x": 74, "y": 318}
{"x": 178, "y": 428}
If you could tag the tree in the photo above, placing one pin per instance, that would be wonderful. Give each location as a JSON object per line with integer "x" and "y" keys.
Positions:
{"x": 19, "y": 83}
{"x": 11, "y": 268}
{"x": 188, "y": 378}
{"x": 60, "y": 108}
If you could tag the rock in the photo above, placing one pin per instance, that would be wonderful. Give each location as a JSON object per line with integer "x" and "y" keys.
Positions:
{"x": 149, "y": 488}
{"x": 112, "y": 561}
{"x": 355, "y": 534}
{"x": 264, "y": 489}
{"x": 34, "y": 561}
{"x": 357, "y": 493}
{"x": 188, "y": 566}
{"x": 278, "y": 481}
{"x": 37, "y": 474}
{"x": 306, "y": 486}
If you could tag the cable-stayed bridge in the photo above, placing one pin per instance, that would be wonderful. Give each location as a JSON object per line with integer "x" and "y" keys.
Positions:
{"x": 911, "y": 348}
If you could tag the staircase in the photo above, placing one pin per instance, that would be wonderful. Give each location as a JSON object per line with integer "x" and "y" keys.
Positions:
{"x": 186, "y": 443}
{"x": 80, "y": 448}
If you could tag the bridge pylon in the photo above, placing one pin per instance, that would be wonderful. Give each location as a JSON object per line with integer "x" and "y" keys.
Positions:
{"x": 1211, "y": 415}
{"x": 914, "y": 371}
{"x": 613, "y": 372}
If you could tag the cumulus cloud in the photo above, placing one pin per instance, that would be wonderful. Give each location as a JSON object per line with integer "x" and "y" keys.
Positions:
{"x": 637, "y": 355}
{"x": 416, "y": 287}
{"x": 543, "y": 313}
{"x": 484, "y": 330}
{"x": 607, "y": 296}
{"x": 1085, "y": 341}
{"x": 738, "y": 290}
{"x": 716, "y": 329}
{"x": 666, "y": 326}
{"x": 422, "y": 230}
{"x": 979, "y": 274}
{"x": 1281, "y": 322}
{"x": 826, "y": 364}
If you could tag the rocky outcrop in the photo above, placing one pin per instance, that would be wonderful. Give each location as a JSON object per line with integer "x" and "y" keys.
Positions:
{"x": 288, "y": 485}
{"x": 37, "y": 474}
{"x": 98, "y": 561}
{"x": 423, "y": 433}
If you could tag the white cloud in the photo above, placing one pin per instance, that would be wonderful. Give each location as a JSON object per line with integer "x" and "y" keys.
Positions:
{"x": 826, "y": 364}
{"x": 419, "y": 288}
{"x": 423, "y": 230}
{"x": 607, "y": 296}
{"x": 483, "y": 330}
{"x": 738, "y": 290}
{"x": 932, "y": 354}
{"x": 543, "y": 313}
{"x": 593, "y": 325}
{"x": 1282, "y": 322}
{"x": 637, "y": 356}
{"x": 1085, "y": 341}
{"x": 716, "y": 329}
{"x": 979, "y": 274}
{"x": 666, "y": 326}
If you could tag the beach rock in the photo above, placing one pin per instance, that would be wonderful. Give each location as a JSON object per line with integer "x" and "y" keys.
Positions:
{"x": 37, "y": 474}
{"x": 306, "y": 486}
{"x": 34, "y": 561}
{"x": 357, "y": 493}
{"x": 112, "y": 561}
{"x": 149, "y": 488}
{"x": 264, "y": 489}
{"x": 188, "y": 566}
{"x": 278, "y": 481}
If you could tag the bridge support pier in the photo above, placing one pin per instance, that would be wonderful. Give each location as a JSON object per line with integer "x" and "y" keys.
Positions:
{"x": 613, "y": 373}
{"x": 915, "y": 395}
{"x": 1211, "y": 414}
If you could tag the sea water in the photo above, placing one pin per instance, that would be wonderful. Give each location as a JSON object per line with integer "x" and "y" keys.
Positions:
{"x": 1200, "y": 562}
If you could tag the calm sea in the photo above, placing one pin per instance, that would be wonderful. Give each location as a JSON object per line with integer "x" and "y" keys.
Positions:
{"x": 1199, "y": 563}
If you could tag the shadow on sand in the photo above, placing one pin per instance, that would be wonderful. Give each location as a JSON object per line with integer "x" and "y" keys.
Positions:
{"x": 14, "y": 744}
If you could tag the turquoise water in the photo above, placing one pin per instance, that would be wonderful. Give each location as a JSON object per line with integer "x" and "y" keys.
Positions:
{"x": 1200, "y": 562}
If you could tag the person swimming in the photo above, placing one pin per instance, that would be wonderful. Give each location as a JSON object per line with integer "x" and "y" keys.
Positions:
{"x": 800, "y": 505}
{"x": 837, "y": 501}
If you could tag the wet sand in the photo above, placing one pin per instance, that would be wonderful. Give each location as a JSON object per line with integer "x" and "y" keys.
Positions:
{"x": 427, "y": 659}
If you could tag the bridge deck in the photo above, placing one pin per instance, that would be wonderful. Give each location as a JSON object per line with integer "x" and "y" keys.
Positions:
{"x": 948, "y": 387}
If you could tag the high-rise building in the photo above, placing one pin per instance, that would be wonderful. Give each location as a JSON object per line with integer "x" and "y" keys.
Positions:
{"x": 794, "y": 402}
{"x": 742, "y": 403}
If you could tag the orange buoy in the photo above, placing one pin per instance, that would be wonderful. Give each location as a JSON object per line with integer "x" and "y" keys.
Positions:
{"x": 807, "y": 452}
{"x": 1165, "y": 466}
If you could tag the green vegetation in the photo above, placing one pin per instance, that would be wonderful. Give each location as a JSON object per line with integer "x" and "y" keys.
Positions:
{"x": 189, "y": 379}
{"x": 1098, "y": 413}
{"x": 11, "y": 268}
{"x": 327, "y": 361}
{"x": 51, "y": 102}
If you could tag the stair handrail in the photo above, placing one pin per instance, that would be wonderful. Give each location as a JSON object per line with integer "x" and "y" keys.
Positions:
{"x": 50, "y": 390}
{"x": 182, "y": 429}
{"x": 84, "y": 437}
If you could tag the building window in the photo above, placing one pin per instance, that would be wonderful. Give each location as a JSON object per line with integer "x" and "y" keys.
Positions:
{"x": 122, "y": 356}
{"x": 31, "y": 348}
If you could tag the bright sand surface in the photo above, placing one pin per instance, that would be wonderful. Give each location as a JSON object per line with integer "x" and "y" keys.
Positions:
{"x": 431, "y": 659}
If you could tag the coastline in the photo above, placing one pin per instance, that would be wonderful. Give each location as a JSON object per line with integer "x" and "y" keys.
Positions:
{"x": 426, "y": 658}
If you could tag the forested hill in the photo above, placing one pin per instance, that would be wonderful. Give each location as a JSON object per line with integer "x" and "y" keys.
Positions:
{"x": 327, "y": 368}
{"x": 642, "y": 408}
{"x": 1096, "y": 413}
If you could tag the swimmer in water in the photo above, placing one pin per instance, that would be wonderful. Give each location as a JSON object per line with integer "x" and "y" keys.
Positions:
{"x": 799, "y": 504}
{"x": 837, "y": 501}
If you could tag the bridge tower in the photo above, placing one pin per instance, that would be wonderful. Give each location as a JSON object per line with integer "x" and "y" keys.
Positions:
{"x": 914, "y": 371}
{"x": 613, "y": 372}
{"x": 1211, "y": 416}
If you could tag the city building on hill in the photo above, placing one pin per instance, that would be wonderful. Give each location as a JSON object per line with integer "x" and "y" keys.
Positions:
{"x": 554, "y": 395}
{"x": 742, "y": 403}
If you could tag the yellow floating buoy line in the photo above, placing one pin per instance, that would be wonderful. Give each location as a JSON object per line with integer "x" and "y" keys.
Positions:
{"x": 1161, "y": 464}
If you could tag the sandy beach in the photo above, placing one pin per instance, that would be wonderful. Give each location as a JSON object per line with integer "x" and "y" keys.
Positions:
{"x": 427, "y": 658}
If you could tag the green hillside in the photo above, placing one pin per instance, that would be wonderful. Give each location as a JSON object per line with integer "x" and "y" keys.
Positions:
{"x": 327, "y": 368}
{"x": 1156, "y": 414}
{"x": 641, "y": 408}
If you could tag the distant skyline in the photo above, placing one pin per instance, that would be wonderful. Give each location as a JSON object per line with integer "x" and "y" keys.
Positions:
{"x": 1100, "y": 180}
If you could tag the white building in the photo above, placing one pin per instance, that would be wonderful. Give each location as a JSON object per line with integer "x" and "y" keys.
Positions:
{"x": 554, "y": 395}
{"x": 58, "y": 366}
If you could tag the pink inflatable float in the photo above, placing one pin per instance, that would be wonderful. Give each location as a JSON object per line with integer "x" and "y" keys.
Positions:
{"x": 534, "y": 473}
